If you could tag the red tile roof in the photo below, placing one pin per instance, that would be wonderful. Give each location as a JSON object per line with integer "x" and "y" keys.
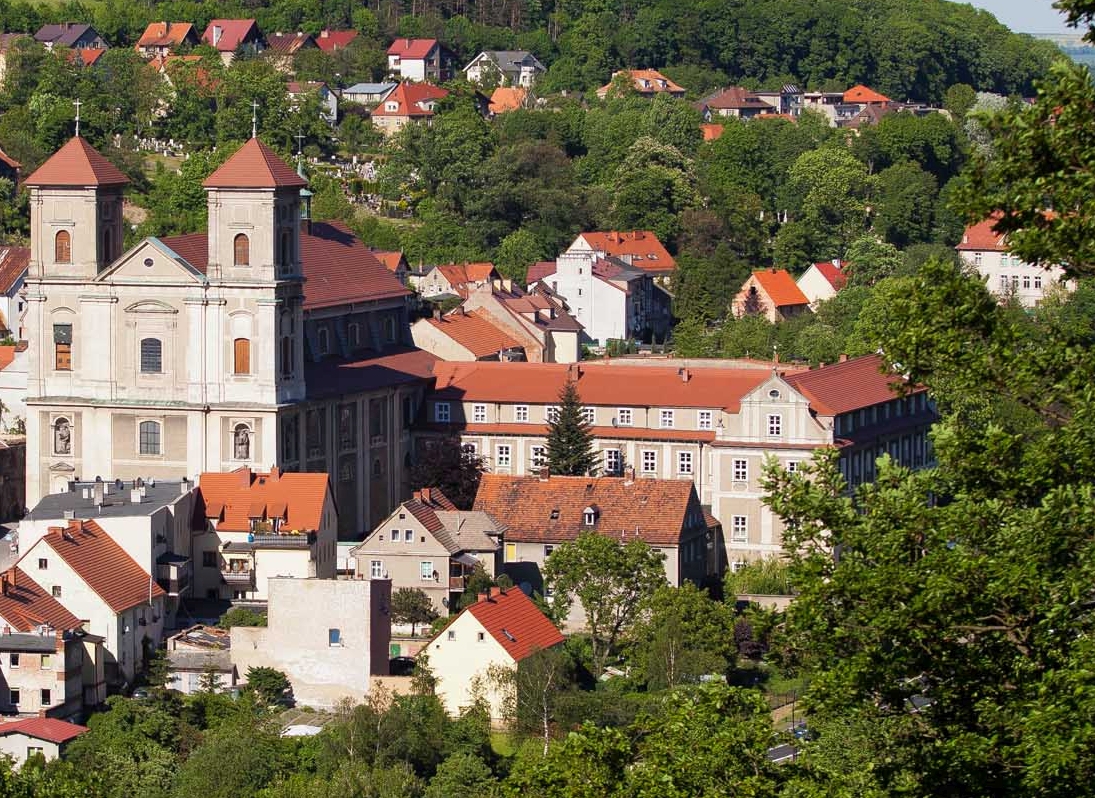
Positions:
{"x": 425, "y": 515}
{"x": 540, "y": 270}
{"x": 517, "y": 430}
{"x": 843, "y": 387}
{"x": 981, "y": 236}
{"x": 254, "y": 165}
{"x": 409, "y": 98}
{"x": 641, "y": 247}
{"x": 288, "y": 43}
{"x": 832, "y": 274}
{"x": 234, "y": 32}
{"x": 510, "y": 617}
{"x": 507, "y": 98}
{"x": 737, "y": 98}
{"x": 602, "y": 384}
{"x": 25, "y": 605}
{"x": 434, "y": 498}
{"x": 461, "y": 275}
{"x": 7, "y": 354}
{"x": 166, "y": 34}
{"x": 552, "y": 510}
{"x": 7, "y": 159}
{"x": 13, "y": 265}
{"x": 77, "y": 164}
{"x": 474, "y": 332}
{"x": 780, "y": 287}
{"x": 655, "y": 82}
{"x": 243, "y": 494}
{"x": 49, "y": 729}
{"x": 865, "y": 95}
{"x": 412, "y": 48}
{"x": 331, "y": 40}
{"x": 89, "y": 55}
{"x": 711, "y": 132}
{"x": 103, "y": 565}
{"x": 391, "y": 260}
{"x": 332, "y": 377}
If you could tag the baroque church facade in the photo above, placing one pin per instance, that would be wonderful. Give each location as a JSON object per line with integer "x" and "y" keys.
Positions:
{"x": 268, "y": 340}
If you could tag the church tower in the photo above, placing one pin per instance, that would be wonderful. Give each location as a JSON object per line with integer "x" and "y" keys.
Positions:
{"x": 75, "y": 213}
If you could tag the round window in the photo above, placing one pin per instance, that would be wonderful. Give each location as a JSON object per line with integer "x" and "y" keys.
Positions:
{"x": 774, "y": 394}
{"x": 148, "y": 262}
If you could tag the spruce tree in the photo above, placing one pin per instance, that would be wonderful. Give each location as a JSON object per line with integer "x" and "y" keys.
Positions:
{"x": 570, "y": 438}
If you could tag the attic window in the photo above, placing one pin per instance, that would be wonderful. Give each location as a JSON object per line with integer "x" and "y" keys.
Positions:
{"x": 509, "y": 635}
{"x": 773, "y": 394}
{"x": 589, "y": 516}
{"x": 555, "y": 514}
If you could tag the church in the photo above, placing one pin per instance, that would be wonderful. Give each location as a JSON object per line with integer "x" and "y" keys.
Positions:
{"x": 268, "y": 340}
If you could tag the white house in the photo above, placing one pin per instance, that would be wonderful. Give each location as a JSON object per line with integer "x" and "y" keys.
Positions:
{"x": 505, "y": 68}
{"x": 1006, "y": 275}
{"x": 822, "y": 281}
{"x": 46, "y": 736}
{"x": 496, "y": 633}
{"x": 420, "y": 60}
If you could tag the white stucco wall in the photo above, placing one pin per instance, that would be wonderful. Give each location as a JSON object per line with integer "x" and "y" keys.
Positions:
{"x": 462, "y": 658}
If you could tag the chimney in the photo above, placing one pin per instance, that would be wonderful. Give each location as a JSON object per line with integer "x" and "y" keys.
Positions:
{"x": 437, "y": 314}
{"x": 417, "y": 495}
{"x": 426, "y": 496}
{"x": 98, "y": 492}
{"x": 56, "y": 530}
{"x": 545, "y": 473}
{"x": 135, "y": 496}
{"x": 685, "y": 375}
{"x": 638, "y": 235}
{"x": 483, "y": 596}
{"x": 461, "y": 310}
{"x": 275, "y": 473}
{"x": 184, "y": 486}
{"x": 629, "y": 474}
{"x": 843, "y": 359}
{"x": 60, "y": 640}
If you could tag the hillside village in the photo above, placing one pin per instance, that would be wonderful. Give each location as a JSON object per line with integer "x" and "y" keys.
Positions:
{"x": 396, "y": 413}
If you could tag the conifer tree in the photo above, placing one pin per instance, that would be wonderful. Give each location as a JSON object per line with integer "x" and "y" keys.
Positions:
{"x": 570, "y": 439}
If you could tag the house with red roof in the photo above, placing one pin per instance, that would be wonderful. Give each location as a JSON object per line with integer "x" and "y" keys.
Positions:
{"x": 537, "y": 320}
{"x": 47, "y": 737}
{"x": 229, "y": 36}
{"x": 395, "y": 262}
{"x": 1006, "y": 275}
{"x": 455, "y": 279}
{"x": 771, "y": 293}
{"x": 161, "y": 39}
{"x": 250, "y": 526}
{"x": 420, "y": 60}
{"x": 863, "y": 95}
{"x": 407, "y": 103}
{"x": 822, "y": 281}
{"x": 638, "y": 248}
{"x": 646, "y": 82}
{"x": 428, "y": 544}
{"x": 508, "y": 98}
{"x": 94, "y": 578}
{"x": 330, "y": 41}
{"x": 282, "y": 48}
{"x": 736, "y": 102}
{"x": 497, "y": 633}
{"x": 465, "y": 335}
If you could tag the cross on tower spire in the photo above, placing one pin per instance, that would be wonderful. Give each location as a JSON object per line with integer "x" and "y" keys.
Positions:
{"x": 254, "y": 119}
{"x": 77, "y": 103}
{"x": 300, "y": 138}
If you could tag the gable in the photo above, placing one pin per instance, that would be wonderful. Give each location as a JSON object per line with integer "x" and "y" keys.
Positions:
{"x": 151, "y": 261}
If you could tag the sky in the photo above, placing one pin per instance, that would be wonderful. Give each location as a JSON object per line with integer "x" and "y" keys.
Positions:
{"x": 1026, "y": 16}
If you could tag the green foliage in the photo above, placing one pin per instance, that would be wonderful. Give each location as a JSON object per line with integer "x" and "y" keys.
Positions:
{"x": 447, "y": 465}
{"x": 871, "y": 260}
{"x": 235, "y": 761}
{"x": 241, "y": 616}
{"x": 570, "y": 449}
{"x": 268, "y": 684}
{"x": 412, "y": 605}
{"x": 769, "y": 576}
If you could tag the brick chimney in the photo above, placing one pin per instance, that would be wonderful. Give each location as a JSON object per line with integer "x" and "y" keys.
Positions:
{"x": 544, "y": 473}
{"x": 629, "y": 474}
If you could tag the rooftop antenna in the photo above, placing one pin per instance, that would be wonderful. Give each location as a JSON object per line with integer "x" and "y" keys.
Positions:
{"x": 77, "y": 103}
{"x": 254, "y": 119}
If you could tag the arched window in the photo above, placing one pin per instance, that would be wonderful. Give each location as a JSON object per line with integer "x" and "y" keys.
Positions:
{"x": 324, "y": 341}
{"x": 241, "y": 442}
{"x": 150, "y": 437}
{"x": 62, "y": 247}
{"x": 286, "y": 356}
{"x": 62, "y": 436}
{"x": 241, "y": 250}
{"x": 378, "y": 468}
{"x": 151, "y": 356}
{"x": 241, "y": 356}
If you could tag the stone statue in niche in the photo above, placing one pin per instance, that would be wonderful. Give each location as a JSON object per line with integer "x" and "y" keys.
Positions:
{"x": 62, "y": 437}
{"x": 243, "y": 443}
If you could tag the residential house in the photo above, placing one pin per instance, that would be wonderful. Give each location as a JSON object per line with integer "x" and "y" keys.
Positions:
{"x": 51, "y": 667}
{"x": 407, "y": 103}
{"x": 1004, "y": 274}
{"x": 610, "y": 299}
{"x": 161, "y": 39}
{"x": 87, "y": 56}
{"x": 771, "y": 293}
{"x": 230, "y": 36}
{"x": 395, "y": 262}
{"x": 305, "y": 359}
{"x": 73, "y": 35}
{"x": 7, "y": 42}
{"x": 455, "y": 279}
{"x": 47, "y": 737}
{"x": 822, "y": 281}
{"x": 504, "y": 68}
{"x": 330, "y": 41}
{"x": 539, "y": 322}
{"x": 254, "y": 525}
{"x": 734, "y": 102}
{"x": 199, "y": 652}
{"x": 430, "y": 545}
{"x": 507, "y": 98}
{"x": 281, "y": 48}
{"x": 96, "y": 580}
{"x": 714, "y": 422}
{"x": 328, "y": 100}
{"x": 497, "y": 633}
{"x": 13, "y": 273}
{"x": 368, "y": 93}
{"x": 420, "y": 60}
{"x": 328, "y": 636}
{"x": 862, "y": 95}
{"x": 787, "y": 101}
{"x": 465, "y": 335}
{"x": 638, "y": 248}
{"x": 543, "y": 512}
{"x": 647, "y": 82}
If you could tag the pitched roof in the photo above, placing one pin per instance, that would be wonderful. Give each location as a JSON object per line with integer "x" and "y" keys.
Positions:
{"x": 434, "y": 498}
{"x": 331, "y": 40}
{"x": 409, "y": 98}
{"x": 832, "y": 273}
{"x": 460, "y": 275}
{"x": 507, "y": 98}
{"x": 599, "y": 383}
{"x": 238, "y": 496}
{"x": 711, "y": 131}
{"x": 25, "y": 605}
{"x": 77, "y": 163}
{"x": 89, "y": 55}
{"x": 468, "y": 530}
{"x": 7, "y": 354}
{"x": 510, "y": 617}
{"x": 780, "y": 287}
{"x": 843, "y": 387}
{"x": 862, "y": 94}
{"x": 103, "y": 565}
{"x": 13, "y": 265}
{"x": 288, "y": 43}
{"x": 234, "y": 32}
{"x": 474, "y": 332}
{"x": 48, "y": 729}
{"x": 166, "y": 34}
{"x": 339, "y": 269}
{"x": 981, "y": 236}
{"x": 737, "y": 98}
{"x": 412, "y": 48}
{"x": 254, "y": 165}
{"x": 641, "y": 247}
{"x": 646, "y": 81}
{"x": 63, "y": 33}
{"x": 539, "y": 510}
{"x": 332, "y": 377}
{"x": 540, "y": 270}
{"x": 391, "y": 260}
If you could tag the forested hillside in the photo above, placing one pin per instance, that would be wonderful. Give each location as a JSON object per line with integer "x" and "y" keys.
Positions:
{"x": 818, "y": 43}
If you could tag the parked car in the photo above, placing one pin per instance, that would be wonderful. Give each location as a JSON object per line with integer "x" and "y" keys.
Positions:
{"x": 401, "y": 666}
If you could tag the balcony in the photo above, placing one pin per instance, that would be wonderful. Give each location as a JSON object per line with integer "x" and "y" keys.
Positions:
{"x": 283, "y": 541}
{"x": 239, "y": 579}
{"x": 457, "y": 584}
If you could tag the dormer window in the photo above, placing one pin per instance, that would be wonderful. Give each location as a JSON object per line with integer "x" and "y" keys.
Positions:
{"x": 555, "y": 514}
{"x": 589, "y": 516}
